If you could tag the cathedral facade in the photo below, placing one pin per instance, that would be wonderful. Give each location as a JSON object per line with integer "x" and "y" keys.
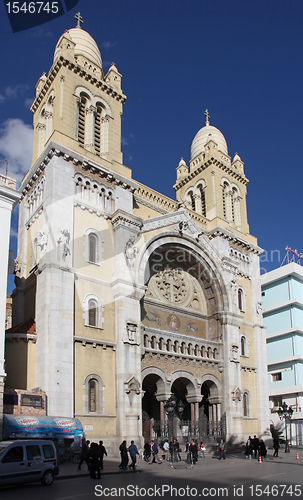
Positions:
{"x": 134, "y": 296}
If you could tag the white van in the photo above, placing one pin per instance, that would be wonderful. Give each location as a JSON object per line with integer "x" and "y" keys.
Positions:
{"x": 28, "y": 461}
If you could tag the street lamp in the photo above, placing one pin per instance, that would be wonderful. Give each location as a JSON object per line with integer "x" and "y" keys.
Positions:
{"x": 171, "y": 407}
{"x": 285, "y": 412}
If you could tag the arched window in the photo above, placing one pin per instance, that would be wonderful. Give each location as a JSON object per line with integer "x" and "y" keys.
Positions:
{"x": 93, "y": 242}
{"x": 92, "y": 395}
{"x": 93, "y": 310}
{"x": 241, "y": 300}
{"x": 97, "y": 129}
{"x": 243, "y": 346}
{"x": 192, "y": 200}
{"x": 93, "y": 398}
{"x": 203, "y": 202}
{"x": 246, "y": 403}
{"x": 81, "y": 120}
{"x": 224, "y": 190}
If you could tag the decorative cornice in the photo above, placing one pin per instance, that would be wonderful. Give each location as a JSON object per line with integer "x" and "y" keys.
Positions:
{"x": 21, "y": 336}
{"x": 208, "y": 163}
{"x": 122, "y": 218}
{"x": 55, "y": 149}
{"x": 62, "y": 61}
{"x": 227, "y": 235}
{"x": 94, "y": 342}
{"x": 248, "y": 368}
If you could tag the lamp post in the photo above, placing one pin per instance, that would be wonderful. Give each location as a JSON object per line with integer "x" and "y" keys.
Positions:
{"x": 171, "y": 408}
{"x": 285, "y": 412}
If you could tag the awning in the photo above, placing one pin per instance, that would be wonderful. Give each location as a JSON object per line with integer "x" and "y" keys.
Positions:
{"x": 36, "y": 426}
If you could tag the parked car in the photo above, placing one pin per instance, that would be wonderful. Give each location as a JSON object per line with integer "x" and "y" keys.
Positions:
{"x": 26, "y": 461}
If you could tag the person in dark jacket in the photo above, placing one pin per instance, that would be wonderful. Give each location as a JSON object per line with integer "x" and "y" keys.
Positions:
{"x": 133, "y": 451}
{"x": 262, "y": 449}
{"x": 84, "y": 454}
{"x": 94, "y": 461}
{"x": 276, "y": 447}
{"x": 154, "y": 451}
{"x": 248, "y": 448}
{"x": 124, "y": 455}
{"x": 193, "y": 452}
{"x": 255, "y": 446}
{"x": 147, "y": 451}
{"x": 102, "y": 452}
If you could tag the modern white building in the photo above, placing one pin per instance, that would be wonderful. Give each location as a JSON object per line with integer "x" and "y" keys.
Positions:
{"x": 8, "y": 197}
{"x": 282, "y": 295}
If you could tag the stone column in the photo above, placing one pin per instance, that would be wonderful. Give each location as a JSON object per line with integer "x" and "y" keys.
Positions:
{"x": 162, "y": 416}
{"x": 127, "y": 296}
{"x": 55, "y": 291}
{"x": 89, "y": 128}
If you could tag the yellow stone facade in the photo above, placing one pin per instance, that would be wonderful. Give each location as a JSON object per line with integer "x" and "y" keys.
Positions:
{"x": 135, "y": 296}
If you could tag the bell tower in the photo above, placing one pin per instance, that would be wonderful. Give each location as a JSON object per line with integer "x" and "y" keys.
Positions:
{"x": 213, "y": 185}
{"x": 76, "y": 105}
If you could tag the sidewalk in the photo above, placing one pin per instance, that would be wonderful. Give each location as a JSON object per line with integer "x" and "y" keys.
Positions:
{"x": 69, "y": 470}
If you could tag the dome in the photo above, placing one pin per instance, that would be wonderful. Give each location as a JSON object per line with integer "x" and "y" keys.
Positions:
{"x": 85, "y": 46}
{"x": 203, "y": 136}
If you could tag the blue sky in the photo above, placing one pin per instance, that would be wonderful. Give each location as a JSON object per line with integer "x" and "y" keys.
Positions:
{"x": 240, "y": 59}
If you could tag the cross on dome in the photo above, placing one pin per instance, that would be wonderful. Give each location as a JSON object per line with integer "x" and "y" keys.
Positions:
{"x": 207, "y": 115}
{"x": 79, "y": 19}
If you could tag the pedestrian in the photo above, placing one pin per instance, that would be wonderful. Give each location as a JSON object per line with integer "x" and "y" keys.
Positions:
{"x": 84, "y": 454}
{"x": 94, "y": 461}
{"x": 193, "y": 452}
{"x": 147, "y": 451}
{"x": 154, "y": 453}
{"x": 166, "y": 449}
{"x": 133, "y": 451}
{"x": 276, "y": 445}
{"x": 176, "y": 451}
{"x": 262, "y": 449}
{"x": 222, "y": 449}
{"x": 201, "y": 450}
{"x": 255, "y": 446}
{"x": 102, "y": 452}
{"x": 248, "y": 448}
{"x": 124, "y": 455}
{"x": 187, "y": 452}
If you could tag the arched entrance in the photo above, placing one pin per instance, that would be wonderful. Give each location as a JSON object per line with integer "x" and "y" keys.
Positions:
{"x": 182, "y": 333}
{"x": 211, "y": 424}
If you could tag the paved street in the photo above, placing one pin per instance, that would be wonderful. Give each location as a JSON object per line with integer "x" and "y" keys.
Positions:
{"x": 230, "y": 478}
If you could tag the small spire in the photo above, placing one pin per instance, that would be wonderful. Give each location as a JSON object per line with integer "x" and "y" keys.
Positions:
{"x": 207, "y": 116}
{"x": 79, "y": 19}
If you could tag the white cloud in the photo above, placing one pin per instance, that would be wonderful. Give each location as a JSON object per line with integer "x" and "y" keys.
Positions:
{"x": 13, "y": 92}
{"x": 124, "y": 141}
{"x": 107, "y": 45}
{"x": 16, "y": 143}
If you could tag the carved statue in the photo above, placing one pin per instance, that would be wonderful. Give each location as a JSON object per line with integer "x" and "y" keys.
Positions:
{"x": 63, "y": 244}
{"x": 130, "y": 251}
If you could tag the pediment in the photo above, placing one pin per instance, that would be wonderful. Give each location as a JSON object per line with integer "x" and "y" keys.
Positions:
{"x": 180, "y": 220}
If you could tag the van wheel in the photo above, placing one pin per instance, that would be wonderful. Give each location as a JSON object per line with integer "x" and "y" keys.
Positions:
{"x": 47, "y": 478}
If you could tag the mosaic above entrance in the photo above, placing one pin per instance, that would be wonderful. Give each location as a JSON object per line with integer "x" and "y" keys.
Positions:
{"x": 173, "y": 321}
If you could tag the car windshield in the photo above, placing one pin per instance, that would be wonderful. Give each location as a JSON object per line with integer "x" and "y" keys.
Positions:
{"x": 2, "y": 449}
